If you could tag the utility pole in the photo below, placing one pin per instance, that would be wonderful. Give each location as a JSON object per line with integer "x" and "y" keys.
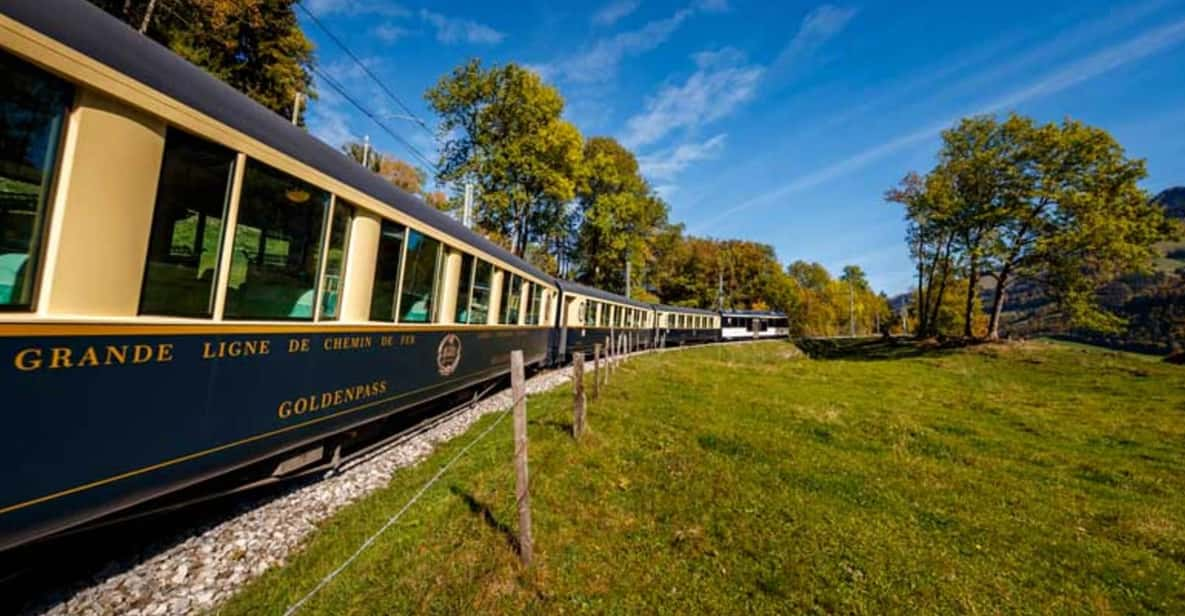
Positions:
{"x": 851, "y": 309}
{"x": 627, "y": 275}
{"x": 720, "y": 288}
{"x": 296, "y": 108}
{"x": 366, "y": 151}
{"x": 467, "y": 213}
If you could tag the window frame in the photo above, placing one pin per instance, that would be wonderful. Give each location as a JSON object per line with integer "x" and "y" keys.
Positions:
{"x": 39, "y": 239}
{"x": 231, "y": 233}
{"x": 330, "y": 212}
{"x": 216, "y": 299}
{"x": 433, "y": 312}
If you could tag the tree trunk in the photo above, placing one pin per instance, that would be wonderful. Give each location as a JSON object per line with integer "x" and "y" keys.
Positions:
{"x": 998, "y": 304}
{"x": 972, "y": 285}
{"x": 922, "y": 308}
{"x": 147, "y": 16}
{"x": 941, "y": 264}
{"x": 933, "y": 319}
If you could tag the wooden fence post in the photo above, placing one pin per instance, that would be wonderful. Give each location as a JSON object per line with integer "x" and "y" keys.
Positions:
{"x": 608, "y": 358}
{"x": 522, "y": 491}
{"x": 578, "y": 394}
{"x": 596, "y": 370}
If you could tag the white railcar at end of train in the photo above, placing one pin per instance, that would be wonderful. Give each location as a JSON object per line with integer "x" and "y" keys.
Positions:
{"x": 753, "y": 324}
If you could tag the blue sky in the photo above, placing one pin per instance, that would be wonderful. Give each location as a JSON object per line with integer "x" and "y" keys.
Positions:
{"x": 781, "y": 122}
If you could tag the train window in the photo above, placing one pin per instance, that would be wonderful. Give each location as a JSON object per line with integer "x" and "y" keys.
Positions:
{"x": 479, "y": 303}
{"x": 386, "y": 272}
{"x": 464, "y": 285}
{"x": 534, "y": 304}
{"x": 529, "y": 306}
{"x": 421, "y": 269}
{"x": 183, "y": 246}
{"x": 33, "y": 105}
{"x": 277, "y": 243}
{"x": 512, "y": 287}
{"x": 335, "y": 259}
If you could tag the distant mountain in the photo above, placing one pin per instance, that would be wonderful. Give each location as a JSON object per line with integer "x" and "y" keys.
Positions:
{"x": 1173, "y": 200}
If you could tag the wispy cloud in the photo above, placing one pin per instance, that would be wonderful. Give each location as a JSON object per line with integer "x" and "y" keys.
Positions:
{"x": 1073, "y": 73}
{"x": 330, "y": 123}
{"x": 451, "y": 30}
{"x": 390, "y": 33}
{"x": 600, "y": 61}
{"x": 818, "y": 26}
{"x": 614, "y": 11}
{"x": 664, "y": 166}
{"x": 357, "y": 7}
{"x": 721, "y": 82}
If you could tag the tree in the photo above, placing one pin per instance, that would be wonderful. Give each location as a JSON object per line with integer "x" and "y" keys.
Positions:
{"x": 930, "y": 236}
{"x": 973, "y": 157}
{"x": 255, "y": 46}
{"x": 364, "y": 154}
{"x": 1058, "y": 205}
{"x": 438, "y": 200}
{"x": 501, "y": 128}
{"x": 1072, "y": 216}
{"x": 402, "y": 174}
{"x": 619, "y": 215}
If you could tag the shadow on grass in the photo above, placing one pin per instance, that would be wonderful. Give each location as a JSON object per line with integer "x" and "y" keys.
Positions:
{"x": 486, "y": 514}
{"x": 876, "y": 349}
{"x": 562, "y": 426}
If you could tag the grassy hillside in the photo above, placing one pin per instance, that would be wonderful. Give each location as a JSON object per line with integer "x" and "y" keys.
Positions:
{"x": 1035, "y": 478}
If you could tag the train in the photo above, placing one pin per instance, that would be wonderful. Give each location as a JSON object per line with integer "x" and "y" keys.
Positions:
{"x": 195, "y": 292}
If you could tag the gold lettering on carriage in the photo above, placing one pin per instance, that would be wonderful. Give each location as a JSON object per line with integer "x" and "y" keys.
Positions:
{"x": 319, "y": 402}
{"x": 235, "y": 348}
{"x": 55, "y": 358}
{"x": 347, "y": 343}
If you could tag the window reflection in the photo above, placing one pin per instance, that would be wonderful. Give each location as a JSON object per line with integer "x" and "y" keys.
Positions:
{"x": 386, "y": 272}
{"x": 276, "y": 246}
{"x": 33, "y": 104}
{"x": 511, "y": 298}
{"x": 417, "y": 301}
{"x": 479, "y": 306}
{"x": 464, "y": 285}
{"x": 335, "y": 259}
{"x": 186, "y": 236}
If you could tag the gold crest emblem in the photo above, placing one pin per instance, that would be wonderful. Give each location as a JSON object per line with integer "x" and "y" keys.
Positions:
{"x": 448, "y": 354}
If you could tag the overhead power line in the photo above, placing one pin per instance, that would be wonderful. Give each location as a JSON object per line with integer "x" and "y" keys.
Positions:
{"x": 398, "y": 101}
{"x": 374, "y": 118}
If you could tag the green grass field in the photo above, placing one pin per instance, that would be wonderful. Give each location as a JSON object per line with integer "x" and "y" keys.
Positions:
{"x": 1034, "y": 478}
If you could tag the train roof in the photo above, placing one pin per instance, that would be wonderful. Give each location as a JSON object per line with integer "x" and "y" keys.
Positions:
{"x": 754, "y": 313}
{"x": 91, "y": 31}
{"x": 568, "y": 286}
{"x": 684, "y": 309}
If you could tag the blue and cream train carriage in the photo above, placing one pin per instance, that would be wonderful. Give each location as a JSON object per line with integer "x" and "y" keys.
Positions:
{"x": 191, "y": 286}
